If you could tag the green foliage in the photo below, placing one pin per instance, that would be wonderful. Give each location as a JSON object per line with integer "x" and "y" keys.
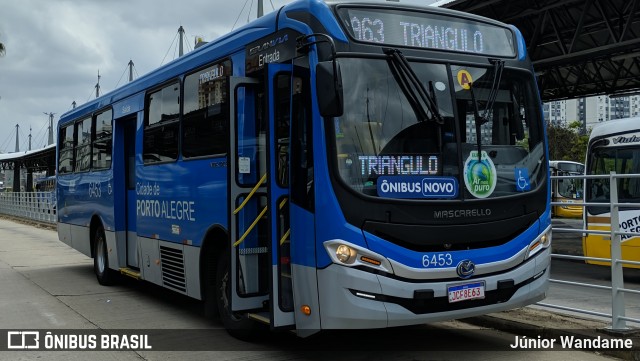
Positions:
{"x": 567, "y": 143}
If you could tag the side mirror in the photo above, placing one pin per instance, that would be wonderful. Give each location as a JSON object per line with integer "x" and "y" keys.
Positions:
{"x": 329, "y": 89}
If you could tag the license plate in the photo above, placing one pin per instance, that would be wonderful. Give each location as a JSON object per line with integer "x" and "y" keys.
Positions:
{"x": 465, "y": 292}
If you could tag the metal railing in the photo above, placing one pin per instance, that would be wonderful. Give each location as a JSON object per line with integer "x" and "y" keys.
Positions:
{"x": 37, "y": 206}
{"x": 617, "y": 315}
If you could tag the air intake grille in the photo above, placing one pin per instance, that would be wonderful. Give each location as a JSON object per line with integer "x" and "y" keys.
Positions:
{"x": 173, "y": 269}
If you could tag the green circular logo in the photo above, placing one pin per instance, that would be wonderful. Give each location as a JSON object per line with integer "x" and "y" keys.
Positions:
{"x": 480, "y": 176}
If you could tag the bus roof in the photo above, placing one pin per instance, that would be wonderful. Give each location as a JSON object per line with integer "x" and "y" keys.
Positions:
{"x": 615, "y": 127}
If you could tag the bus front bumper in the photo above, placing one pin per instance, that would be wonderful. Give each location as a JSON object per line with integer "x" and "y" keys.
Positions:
{"x": 355, "y": 298}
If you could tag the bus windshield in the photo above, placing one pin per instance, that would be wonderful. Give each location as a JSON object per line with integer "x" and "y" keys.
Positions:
{"x": 609, "y": 159}
{"x": 382, "y": 136}
{"x": 570, "y": 188}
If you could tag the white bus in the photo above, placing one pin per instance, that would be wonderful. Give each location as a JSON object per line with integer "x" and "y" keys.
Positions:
{"x": 613, "y": 146}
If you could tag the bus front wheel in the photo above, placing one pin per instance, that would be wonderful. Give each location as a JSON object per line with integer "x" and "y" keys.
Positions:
{"x": 237, "y": 324}
{"x": 105, "y": 275}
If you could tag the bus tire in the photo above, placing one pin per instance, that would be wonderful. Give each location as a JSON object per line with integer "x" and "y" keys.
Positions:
{"x": 105, "y": 275}
{"x": 237, "y": 325}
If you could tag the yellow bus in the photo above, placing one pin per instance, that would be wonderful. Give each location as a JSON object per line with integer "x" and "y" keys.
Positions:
{"x": 613, "y": 146}
{"x": 567, "y": 191}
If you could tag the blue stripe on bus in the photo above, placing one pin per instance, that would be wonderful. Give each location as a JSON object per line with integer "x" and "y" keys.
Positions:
{"x": 478, "y": 256}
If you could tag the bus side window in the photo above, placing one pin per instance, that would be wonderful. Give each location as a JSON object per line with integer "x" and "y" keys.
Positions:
{"x": 66, "y": 146}
{"x": 83, "y": 145}
{"x": 101, "y": 148}
{"x": 206, "y": 111}
{"x": 160, "y": 143}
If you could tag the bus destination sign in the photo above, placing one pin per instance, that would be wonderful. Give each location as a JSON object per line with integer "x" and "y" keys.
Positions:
{"x": 427, "y": 30}
{"x": 276, "y": 48}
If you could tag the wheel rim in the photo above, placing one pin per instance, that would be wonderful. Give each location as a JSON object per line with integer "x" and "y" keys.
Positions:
{"x": 225, "y": 296}
{"x": 224, "y": 291}
{"x": 100, "y": 256}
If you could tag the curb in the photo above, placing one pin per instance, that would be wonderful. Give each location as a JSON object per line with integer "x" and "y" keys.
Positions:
{"x": 30, "y": 222}
{"x": 535, "y": 323}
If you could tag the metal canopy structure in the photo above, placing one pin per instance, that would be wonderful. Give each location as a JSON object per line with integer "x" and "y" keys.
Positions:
{"x": 35, "y": 160}
{"x": 578, "y": 47}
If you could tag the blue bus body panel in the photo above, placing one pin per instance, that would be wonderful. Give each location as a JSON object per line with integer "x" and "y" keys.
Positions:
{"x": 478, "y": 256}
{"x": 128, "y": 106}
{"x": 83, "y": 195}
{"x": 303, "y": 253}
{"x": 174, "y": 205}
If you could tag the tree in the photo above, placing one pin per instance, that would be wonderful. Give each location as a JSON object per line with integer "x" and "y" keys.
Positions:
{"x": 579, "y": 147}
{"x": 567, "y": 143}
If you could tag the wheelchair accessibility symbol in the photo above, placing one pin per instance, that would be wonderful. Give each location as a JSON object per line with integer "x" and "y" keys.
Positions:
{"x": 522, "y": 179}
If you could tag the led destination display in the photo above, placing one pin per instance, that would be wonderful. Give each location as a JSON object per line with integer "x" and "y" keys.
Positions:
{"x": 425, "y": 30}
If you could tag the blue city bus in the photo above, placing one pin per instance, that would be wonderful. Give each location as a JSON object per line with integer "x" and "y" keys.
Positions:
{"x": 331, "y": 165}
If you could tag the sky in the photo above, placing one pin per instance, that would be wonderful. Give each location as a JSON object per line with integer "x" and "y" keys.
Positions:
{"x": 55, "y": 49}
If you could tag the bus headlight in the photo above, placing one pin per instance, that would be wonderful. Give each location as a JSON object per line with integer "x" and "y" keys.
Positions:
{"x": 345, "y": 254}
{"x": 543, "y": 241}
{"x": 350, "y": 255}
{"x": 546, "y": 239}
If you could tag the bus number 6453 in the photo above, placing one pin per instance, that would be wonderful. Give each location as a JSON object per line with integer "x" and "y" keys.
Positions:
{"x": 437, "y": 260}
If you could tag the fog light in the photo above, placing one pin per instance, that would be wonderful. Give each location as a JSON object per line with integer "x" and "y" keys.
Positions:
{"x": 345, "y": 254}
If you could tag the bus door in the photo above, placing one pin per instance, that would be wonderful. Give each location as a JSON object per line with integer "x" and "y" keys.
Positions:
{"x": 248, "y": 196}
{"x": 279, "y": 85}
{"x": 260, "y": 223}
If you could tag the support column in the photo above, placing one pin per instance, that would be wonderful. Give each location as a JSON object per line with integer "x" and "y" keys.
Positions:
{"x": 29, "y": 186}
{"x": 16, "y": 177}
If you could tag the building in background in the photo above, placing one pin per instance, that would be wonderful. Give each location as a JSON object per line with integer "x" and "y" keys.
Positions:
{"x": 591, "y": 111}
{"x": 555, "y": 112}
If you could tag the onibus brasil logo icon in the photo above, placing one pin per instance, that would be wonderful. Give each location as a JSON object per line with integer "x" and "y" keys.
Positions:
{"x": 480, "y": 176}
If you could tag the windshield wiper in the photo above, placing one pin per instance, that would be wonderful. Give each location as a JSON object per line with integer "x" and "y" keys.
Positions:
{"x": 498, "y": 67}
{"x": 421, "y": 101}
{"x": 478, "y": 120}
